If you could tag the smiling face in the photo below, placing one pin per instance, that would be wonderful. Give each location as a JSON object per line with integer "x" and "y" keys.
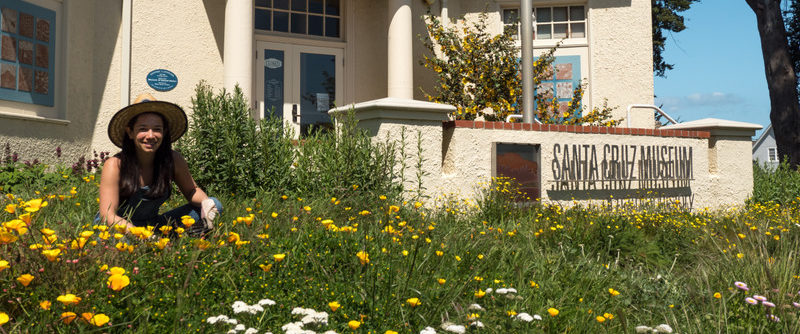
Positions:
{"x": 147, "y": 132}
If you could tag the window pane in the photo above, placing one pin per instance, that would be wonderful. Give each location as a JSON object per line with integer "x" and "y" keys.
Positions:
{"x": 559, "y": 31}
{"x": 281, "y": 4}
{"x": 298, "y": 23}
{"x": 510, "y": 16}
{"x": 559, "y": 14}
{"x": 576, "y": 13}
{"x": 263, "y": 3}
{"x": 316, "y": 6}
{"x": 280, "y": 21}
{"x": 332, "y": 7}
{"x": 262, "y": 21}
{"x": 578, "y": 30}
{"x": 315, "y": 25}
{"x": 299, "y": 5}
{"x": 331, "y": 27}
{"x": 543, "y": 15}
{"x": 543, "y": 31}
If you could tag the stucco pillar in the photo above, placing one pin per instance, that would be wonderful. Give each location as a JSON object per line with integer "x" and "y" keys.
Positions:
{"x": 400, "y": 41}
{"x": 238, "y": 49}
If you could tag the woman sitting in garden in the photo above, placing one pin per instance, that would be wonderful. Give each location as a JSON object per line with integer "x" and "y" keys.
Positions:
{"x": 138, "y": 180}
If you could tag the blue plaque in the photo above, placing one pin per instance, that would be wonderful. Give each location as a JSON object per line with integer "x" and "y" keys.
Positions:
{"x": 162, "y": 80}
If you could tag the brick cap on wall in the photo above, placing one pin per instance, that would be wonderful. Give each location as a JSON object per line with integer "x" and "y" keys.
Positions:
{"x": 576, "y": 129}
{"x": 718, "y": 127}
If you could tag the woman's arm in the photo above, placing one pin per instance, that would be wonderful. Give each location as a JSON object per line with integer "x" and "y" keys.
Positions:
{"x": 183, "y": 178}
{"x": 109, "y": 194}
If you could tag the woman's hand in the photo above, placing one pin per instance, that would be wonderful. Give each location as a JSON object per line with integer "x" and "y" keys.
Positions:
{"x": 208, "y": 211}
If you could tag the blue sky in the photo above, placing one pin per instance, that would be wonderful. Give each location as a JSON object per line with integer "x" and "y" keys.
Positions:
{"x": 719, "y": 70}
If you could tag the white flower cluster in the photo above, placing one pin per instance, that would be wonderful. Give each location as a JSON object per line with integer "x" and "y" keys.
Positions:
{"x": 310, "y": 318}
{"x": 428, "y": 330}
{"x": 525, "y": 317}
{"x": 453, "y": 328}
{"x": 241, "y": 307}
{"x": 663, "y": 328}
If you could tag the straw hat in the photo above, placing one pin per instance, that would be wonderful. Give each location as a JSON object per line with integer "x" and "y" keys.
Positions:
{"x": 172, "y": 113}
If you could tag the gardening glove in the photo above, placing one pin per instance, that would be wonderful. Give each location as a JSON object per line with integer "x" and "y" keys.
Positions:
{"x": 208, "y": 211}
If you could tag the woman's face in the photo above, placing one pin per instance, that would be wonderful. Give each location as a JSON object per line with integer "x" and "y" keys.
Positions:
{"x": 147, "y": 133}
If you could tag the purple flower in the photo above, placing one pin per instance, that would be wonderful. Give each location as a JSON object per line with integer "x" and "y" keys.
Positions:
{"x": 773, "y": 318}
{"x": 760, "y": 298}
{"x": 741, "y": 285}
{"x": 751, "y": 301}
{"x": 768, "y": 304}
{"x": 796, "y": 304}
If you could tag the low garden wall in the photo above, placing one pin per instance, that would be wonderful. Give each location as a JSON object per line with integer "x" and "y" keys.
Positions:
{"x": 692, "y": 165}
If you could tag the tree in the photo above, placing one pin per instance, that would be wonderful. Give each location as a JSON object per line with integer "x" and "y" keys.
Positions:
{"x": 479, "y": 74}
{"x": 781, "y": 78}
{"x": 666, "y": 17}
{"x": 792, "y": 22}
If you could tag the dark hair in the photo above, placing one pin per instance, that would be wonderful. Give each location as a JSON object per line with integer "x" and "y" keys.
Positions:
{"x": 163, "y": 165}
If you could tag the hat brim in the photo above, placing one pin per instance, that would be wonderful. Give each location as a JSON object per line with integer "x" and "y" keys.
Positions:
{"x": 173, "y": 115}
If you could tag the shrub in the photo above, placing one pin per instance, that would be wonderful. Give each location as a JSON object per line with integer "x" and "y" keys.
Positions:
{"x": 780, "y": 185}
{"x": 230, "y": 152}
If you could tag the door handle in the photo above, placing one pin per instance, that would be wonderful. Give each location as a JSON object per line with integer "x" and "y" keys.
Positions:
{"x": 295, "y": 114}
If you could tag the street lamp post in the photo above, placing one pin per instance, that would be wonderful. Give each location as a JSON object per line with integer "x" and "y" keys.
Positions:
{"x": 526, "y": 32}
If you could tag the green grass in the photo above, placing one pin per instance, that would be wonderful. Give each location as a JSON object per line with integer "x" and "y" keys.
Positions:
{"x": 666, "y": 265}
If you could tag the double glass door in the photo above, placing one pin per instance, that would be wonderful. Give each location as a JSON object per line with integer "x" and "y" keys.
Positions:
{"x": 298, "y": 84}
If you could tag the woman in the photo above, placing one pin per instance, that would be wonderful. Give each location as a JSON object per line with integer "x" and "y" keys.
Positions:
{"x": 138, "y": 180}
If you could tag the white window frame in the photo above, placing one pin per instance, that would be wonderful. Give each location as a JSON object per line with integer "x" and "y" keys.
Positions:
{"x": 542, "y": 43}
{"x": 35, "y": 112}
{"x": 306, "y": 35}
{"x": 772, "y": 154}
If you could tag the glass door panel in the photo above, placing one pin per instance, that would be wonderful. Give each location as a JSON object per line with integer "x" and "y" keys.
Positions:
{"x": 317, "y": 90}
{"x": 274, "y": 86}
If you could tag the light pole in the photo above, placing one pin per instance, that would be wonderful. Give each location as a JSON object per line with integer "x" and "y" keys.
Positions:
{"x": 526, "y": 32}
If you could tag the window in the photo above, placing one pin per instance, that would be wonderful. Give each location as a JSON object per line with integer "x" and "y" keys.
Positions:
{"x": 305, "y": 17}
{"x": 552, "y": 23}
{"x": 27, "y": 53}
{"x": 772, "y": 154}
{"x": 562, "y": 80}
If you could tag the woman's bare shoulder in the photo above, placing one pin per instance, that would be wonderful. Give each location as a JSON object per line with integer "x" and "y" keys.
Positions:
{"x": 112, "y": 162}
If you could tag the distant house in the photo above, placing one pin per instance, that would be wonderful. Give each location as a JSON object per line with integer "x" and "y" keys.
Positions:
{"x": 765, "y": 151}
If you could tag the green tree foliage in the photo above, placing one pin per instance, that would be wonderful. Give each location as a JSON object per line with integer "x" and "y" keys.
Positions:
{"x": 666, "y": 17}
{"x": 479, "y": 73}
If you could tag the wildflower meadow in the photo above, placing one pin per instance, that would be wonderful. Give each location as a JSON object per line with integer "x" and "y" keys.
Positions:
{"x": 364, "y": 262}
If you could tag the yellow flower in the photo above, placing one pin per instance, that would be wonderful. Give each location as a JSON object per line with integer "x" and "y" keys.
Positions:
{"x": 511, "y": 313}
{"x": 534, "y": 284}
{"x": 417, "y": 205}
{"x": 442, "y": 281}
{"x": 99, "y": 319}
{"x": 405, "y": 252}
{"x": 165, "y": 229}
{"x": 353, "y": 324}
{"x": 3, "y": 318}
{"x": 439, "y": 253}
{"x": 717, "y": 295}
{"x": 394, "y": 208}
{"x": 162, "y": 243}
{"x": 34, "y": 205}
{"x": 68, "y": 317}
{"x": 25, "y": 279}
{"x": 413, "y": 302}
{"x": 265, "y": 267}
{"x": 608, "y": 316}
{"x": 51, "y": 254}
{"x": 741, "y": 236}
{"x": 600, "y": 319}
{"x": 233, "y": 237}
{"x": 4, "y": 265}
{"x": 187, "y": 221}
{"x": 363, "y": 257}
{"x": 116, "y": 271}
{"x": 613, "y": 292}
{"x": 458, "y": 258}
{"x": 69, "y": 299}
{"x": 11, "y": 208}
{"x": 117, "y": 282}
{"x": 7, "y": 238}
{"x": 45, "y": 305}
{"x": 307, "y": 208}
{"x": 480, "y": 293}
{"x": 739, "y": 255}
{"x": 364, "y": 213}
{"x": 553, "y": 312}
{"x": 334, "y": 305}
{"x": 279, "y": 257}
{"x": 389, "y": 331}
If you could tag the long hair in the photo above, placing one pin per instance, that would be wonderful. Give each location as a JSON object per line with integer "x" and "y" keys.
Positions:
{"x": 130, "y": 171}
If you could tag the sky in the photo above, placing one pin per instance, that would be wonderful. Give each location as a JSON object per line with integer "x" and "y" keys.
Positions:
{"x": 718, "y": 68}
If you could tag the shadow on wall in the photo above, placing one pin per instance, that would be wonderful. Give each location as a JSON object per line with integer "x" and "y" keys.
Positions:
{"x": 215, "y": 10}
